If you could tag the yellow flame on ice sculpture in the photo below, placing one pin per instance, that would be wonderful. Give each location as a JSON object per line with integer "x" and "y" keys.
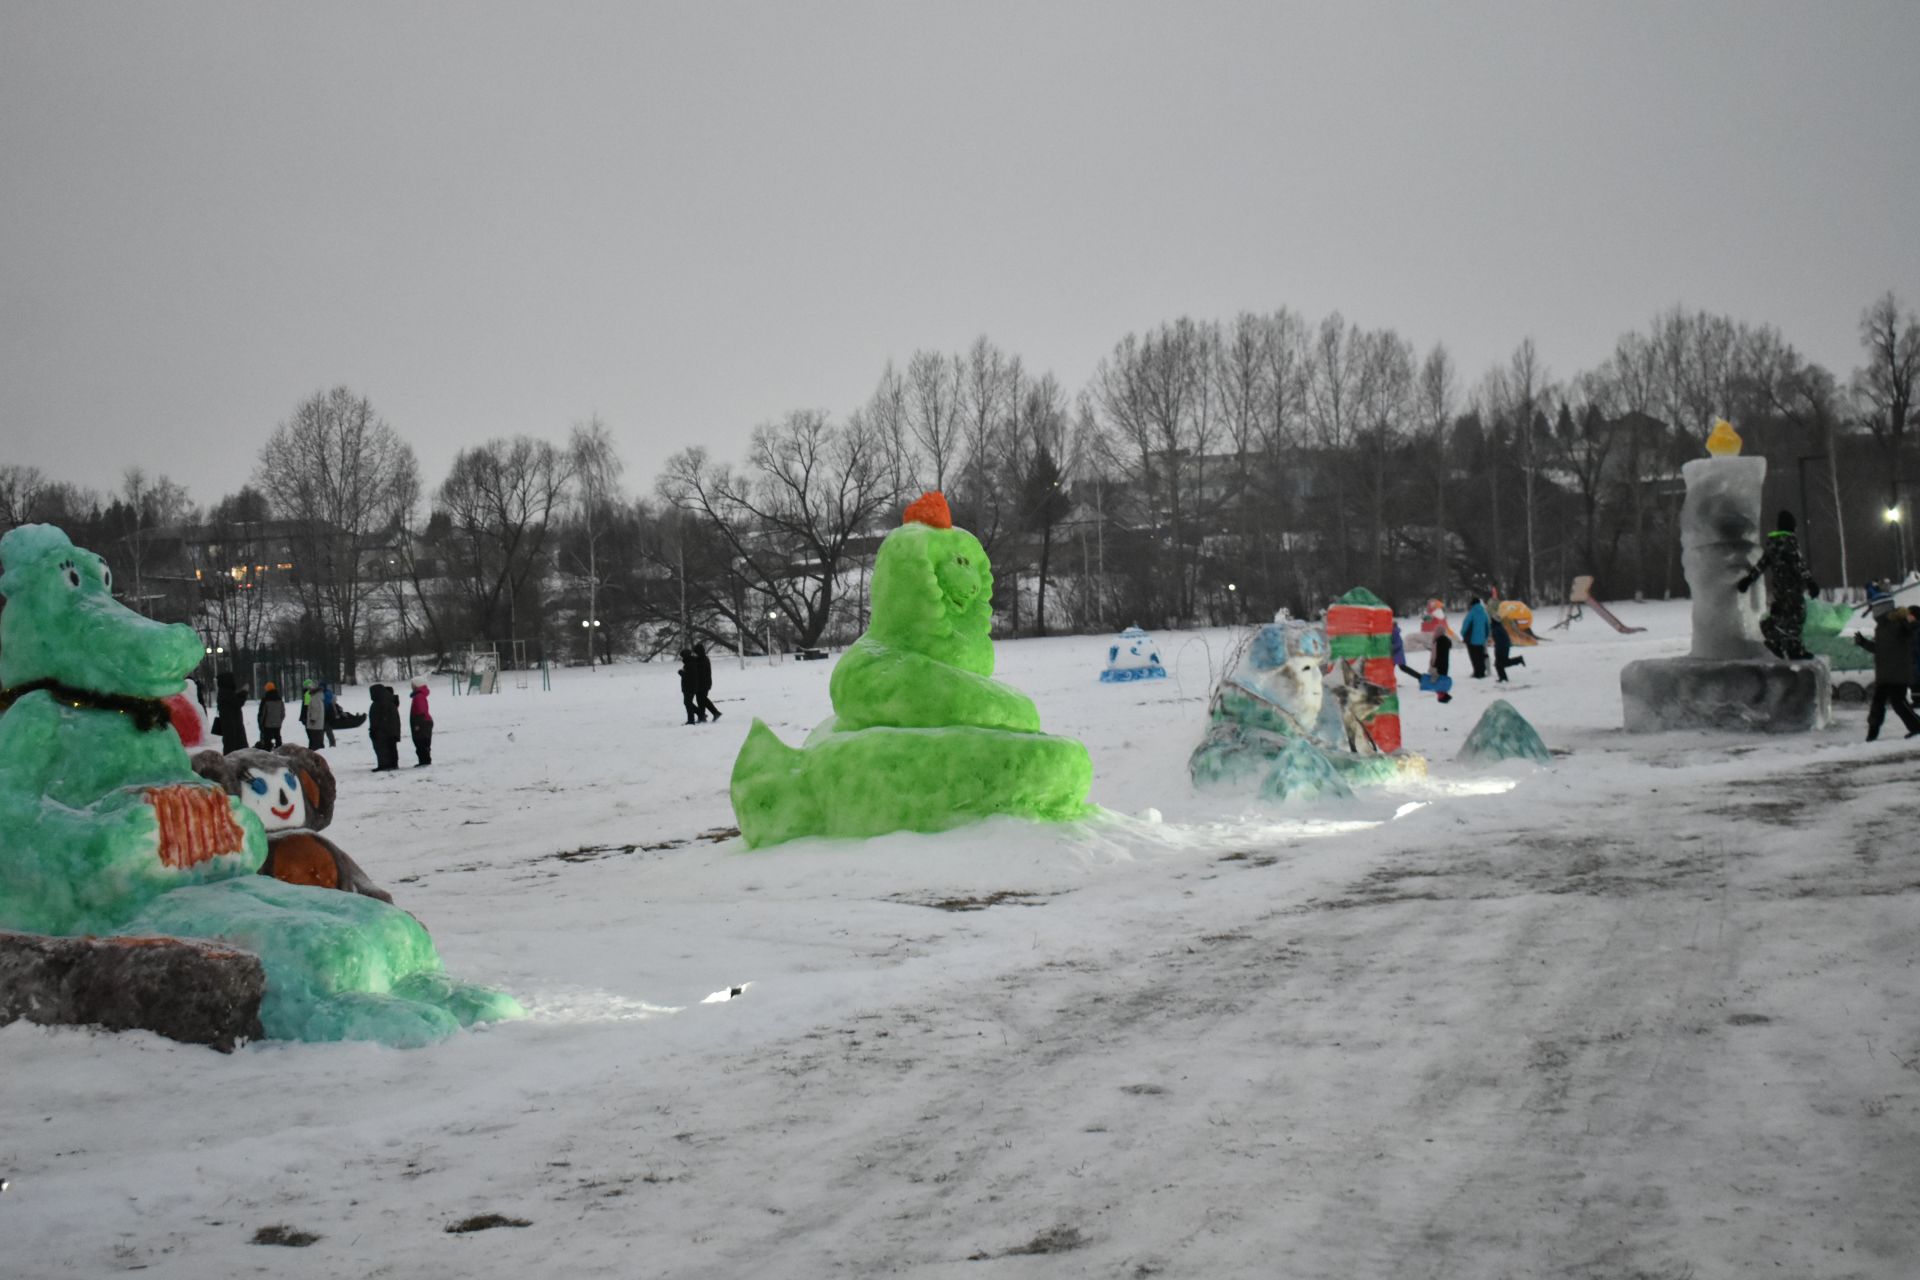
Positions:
{"x": 1723, "y": 441}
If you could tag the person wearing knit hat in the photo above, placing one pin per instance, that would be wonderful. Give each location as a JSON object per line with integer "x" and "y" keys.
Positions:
{"x": 420, "y": 722}
{"x": 1894, "y": 631}
{"x": 1788, "y": 586}
{"x": 313, "y": 715}
{"x": 271, "y": 715}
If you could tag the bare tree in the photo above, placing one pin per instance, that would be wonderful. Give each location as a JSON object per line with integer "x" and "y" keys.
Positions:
{"x": 1634, "y": 371}
{"x": 403, "y": 575}
{"x": 1286, "y": 376}
{"x": 235, "y": 571}
{"x": 1883, "y": 388}
{"x": 1155, "y": 396}
{"x": 789, "y": 517}
{"x": 152, "y": 504}
{"x": 1433, "y": 418}
{"x": 596, "y": 469}
{"x": 1806, "y": 396}
{"x": 1384, "y": 404}
{"x": 1036, "y": 463}
{"x": 986, "y": 407}
{"x": 1243, "y": 392}
{"x": 23, "y": 492}
{"x": 502, "y": 497}
{"x": 934, "y": 412}
{"x": 341, "y": 475}
{"x": 1524, "y": 389}
{"x": 1333, "y": 362}
{"x": 1584, "y": 437}
{"x": 884, "y": 417}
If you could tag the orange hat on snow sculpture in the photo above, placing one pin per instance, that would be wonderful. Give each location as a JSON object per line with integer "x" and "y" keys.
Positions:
{"x": 930, "y": 508}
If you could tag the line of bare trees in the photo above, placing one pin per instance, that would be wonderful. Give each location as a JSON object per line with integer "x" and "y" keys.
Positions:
{"x": 1208, "y": 470}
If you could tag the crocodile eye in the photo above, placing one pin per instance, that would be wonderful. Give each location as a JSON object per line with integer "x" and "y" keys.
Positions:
{"x": 72, "y": 574}
{"x": 106, "y": 576}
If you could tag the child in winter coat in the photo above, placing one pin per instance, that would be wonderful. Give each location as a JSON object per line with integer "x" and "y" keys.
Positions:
{"x": 1892, "y": 649}
{"x": 383, "y": 726}
{"x": 229, "y": 722}
{"x": 271, "y": 715}
{"x": 313, "y": 715}
{"x": 420, "y": 721}
{"x": 1475, "y": 630}
{"x": 330, "y": 710}
{"x": 1437, "y": 665}
{"x": 1503, "y": 650}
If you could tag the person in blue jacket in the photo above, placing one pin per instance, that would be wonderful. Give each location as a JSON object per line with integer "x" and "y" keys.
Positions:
{"x": 1474, "y": 633}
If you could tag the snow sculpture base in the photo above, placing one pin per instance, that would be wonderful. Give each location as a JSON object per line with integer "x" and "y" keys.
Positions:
{"x": 194, "y": 992}
{"x": 1747, "y": 695}
{"x": 872, "y": 781}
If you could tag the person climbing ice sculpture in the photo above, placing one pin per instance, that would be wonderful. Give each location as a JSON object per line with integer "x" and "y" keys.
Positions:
{"x": 1788, "y": 585}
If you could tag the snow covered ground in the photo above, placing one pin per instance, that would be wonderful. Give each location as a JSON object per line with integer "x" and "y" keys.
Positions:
{"x": 1650, "y": 1013}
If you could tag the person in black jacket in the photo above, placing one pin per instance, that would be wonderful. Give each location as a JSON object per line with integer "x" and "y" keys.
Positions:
{"x": 703, "y": 682}
{"x": 1892, "y": 649}
{"x": 383, "y": 726}
{"x": 1788, "y": 586}
{"x": 689, "y": 688}
{"x": 228, "y": 721}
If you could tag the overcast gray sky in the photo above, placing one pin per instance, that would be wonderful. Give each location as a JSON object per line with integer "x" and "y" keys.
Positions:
{"x": 498, "y": 218}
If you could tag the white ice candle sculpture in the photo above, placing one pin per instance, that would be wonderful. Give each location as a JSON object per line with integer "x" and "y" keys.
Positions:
{"x": 1719, "y": 541}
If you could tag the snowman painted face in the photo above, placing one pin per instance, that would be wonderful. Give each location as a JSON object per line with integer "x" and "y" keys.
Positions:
{"x": 275, "y": 797}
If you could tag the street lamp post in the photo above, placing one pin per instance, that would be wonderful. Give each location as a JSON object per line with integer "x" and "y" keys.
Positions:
{"x": 770, "y": 618}
{"x": 1893, "y": 518}
{"x": 589, "y": 625}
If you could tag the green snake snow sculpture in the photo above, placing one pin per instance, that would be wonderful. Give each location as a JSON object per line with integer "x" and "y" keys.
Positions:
{"x": 105, "y": 828}
{"x": 921, "y": 738}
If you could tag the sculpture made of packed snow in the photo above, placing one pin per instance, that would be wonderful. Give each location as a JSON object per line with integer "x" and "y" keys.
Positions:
{"x": 1821, "y": 633}
{"x": 1360, "y": 638}
{"x": 1132, "y": 656}
{"x": 1729, "y": 680}
{"x": 104, "y": 827}
{"x": 921, "y": 737}
{"x": 1504, "y": 734}
{"x": 1517, "y": 617}
{"x": 1276, "y": 725}
{"x": 291, "y": 790}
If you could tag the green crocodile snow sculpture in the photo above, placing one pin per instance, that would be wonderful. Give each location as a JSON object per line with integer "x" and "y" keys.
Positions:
{"x": 105, "y": 828}
{"x": 922, "y": 738}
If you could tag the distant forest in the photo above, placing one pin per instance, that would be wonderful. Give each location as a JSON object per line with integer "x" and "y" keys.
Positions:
{"x": 1207, "y": 471}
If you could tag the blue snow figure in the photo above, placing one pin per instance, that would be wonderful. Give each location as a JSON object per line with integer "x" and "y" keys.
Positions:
{"x": 1133, "y": 657}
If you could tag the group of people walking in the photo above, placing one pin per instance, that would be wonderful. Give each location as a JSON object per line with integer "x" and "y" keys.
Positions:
{"x": 320, "y": 716}
{"x": 696, "y": 683}
{"x": 1479, "y": 631}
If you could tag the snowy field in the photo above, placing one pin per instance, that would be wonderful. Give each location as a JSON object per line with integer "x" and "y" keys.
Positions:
{"x": 1650, "y": 1014}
